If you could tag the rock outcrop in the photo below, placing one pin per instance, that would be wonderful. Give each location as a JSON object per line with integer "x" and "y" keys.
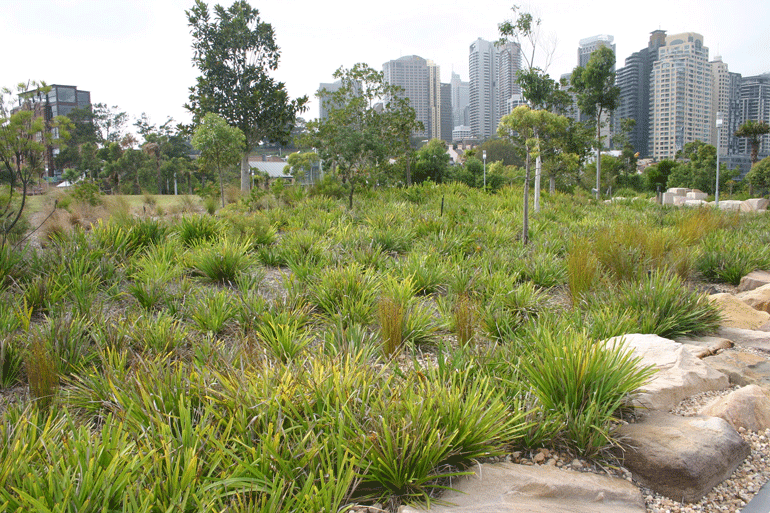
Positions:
{"x": 681, "y": 457}
{"x": 747, "y": 407}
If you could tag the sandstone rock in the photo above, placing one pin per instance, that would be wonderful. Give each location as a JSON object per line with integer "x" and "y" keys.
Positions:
{"x": 694, "y": 203}
{"x": 681, "y": 457}
{"x": 758, "y": 298}
{"x": 680, "y": 374}
{"x": 754, "y": 339}
{"x": 742, "y": 368}
{"x": 705, "y": 346}
{"x": 730, "y": 205}
{"x": 695, "y": 194}
{"x": 677, "y": 191}
{"x": 753, "y": 280}
{"x": 747, "y": 407}
{"x": 667, "y": 198}
{"x": 737, "y": 314}
{"x": 509, "y": 488}
{"x": 754, "y": 205}
{"x": 679, "y": 201}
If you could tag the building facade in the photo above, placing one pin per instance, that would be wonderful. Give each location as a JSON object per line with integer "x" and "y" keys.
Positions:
{"x": 589, "y": 45}
{"x": 633, "y": 79}
{"x": 413, "y": 75}
{"x": 482, "y": 70}
{"x": 681, "y": 95}
{"x": 754, "y": 104}
{"x": 460, "y": 101}
{"x": 446, "y": 113}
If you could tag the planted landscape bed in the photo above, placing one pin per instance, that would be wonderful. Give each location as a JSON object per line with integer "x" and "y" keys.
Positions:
{"x": 290, "y": 354}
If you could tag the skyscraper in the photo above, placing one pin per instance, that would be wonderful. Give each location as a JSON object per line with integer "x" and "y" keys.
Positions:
{"x": 434, "y": 100}
{"x": 634, "y": 82}
{"x": 460, "y": 101}
{"x": 754, "y": 104}
{"x": 589, "y": 45}
{"x": 482, "y": 69}
{"x": 412, "y": 74}
{"x": 493, "y": 84}
{"x": 681, "y": 95}
{"x": 446, "y": 113}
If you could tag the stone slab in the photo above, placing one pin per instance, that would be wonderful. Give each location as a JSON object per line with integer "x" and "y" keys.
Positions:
{"x": 742, "y": 368}
{"x": 511, "y": 488}
{"x": 753, "y": 280}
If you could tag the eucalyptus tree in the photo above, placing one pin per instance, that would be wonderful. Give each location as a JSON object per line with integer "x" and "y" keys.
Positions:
{"x": 24, "y": 142}
{"x": 235, "y": 52}
{"x": 597, "y": 95}
{"x": 523, "y": 125}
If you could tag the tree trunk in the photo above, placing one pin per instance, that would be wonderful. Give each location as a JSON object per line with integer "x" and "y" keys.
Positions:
{"x": 350, "y": 197}
{"x": 598, "y": 154}
{"x": 538, "y": 171}
{"x": 245, "y": 173}
{"x": 525, "y": 222}
{"x": 552, "y": 184}
{"x": 222, "y": 186}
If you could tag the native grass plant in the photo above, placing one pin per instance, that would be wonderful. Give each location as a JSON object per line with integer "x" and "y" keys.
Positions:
{"x": 210, "y": 310}
{"x": 347, "y": 292}
{"x": 157, "y": 334}
{"x": 11, "y": 265}
{"x": 194, "y": 229}
{"x": 425, "y": 268}
{"x": 222, "y": 262}
{"x": 403, "y": 319}
{"x": 582, "y": 384}
{"x": 42, "y": 370}
{"x": 726, "y": 257}
{"x": 351, "y": 339}
{"x": 11, "y": 361}
{"x": 465, "y": 319}
{"x": 285, "y": 338}
{"x": 582, "y": 268}
{"x": 510, "y": 306}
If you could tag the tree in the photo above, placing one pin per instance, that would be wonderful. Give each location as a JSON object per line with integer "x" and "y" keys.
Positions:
{"x": 110, "y": 123}
{"x": 360, "y": 134}
{"x": 220, "y": 145}
{"x": 501, "y": 150}
{"x": 753, "y": 131}
{"x": 165, "y": 145}
{"x": 300, "y": 165}
{"x": 235, "y": 52}
{"x": 700, "y": 171}
{"x": 523, "y": 125}
{"x": 657, "y": 175}
{"x": 597, "y": 95}
{"x": 759, "y": 176}
{"x": 24, "y": 143}
{"x": 431, "y": 162}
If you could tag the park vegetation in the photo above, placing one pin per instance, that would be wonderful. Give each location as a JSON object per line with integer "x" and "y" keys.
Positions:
{"x": 290, "y": 354}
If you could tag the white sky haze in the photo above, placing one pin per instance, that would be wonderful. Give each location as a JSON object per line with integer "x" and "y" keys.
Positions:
{"x": 137, "y": 54}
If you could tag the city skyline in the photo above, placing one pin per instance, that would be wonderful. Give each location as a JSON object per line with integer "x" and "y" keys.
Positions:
{"x": 138, "y": 55}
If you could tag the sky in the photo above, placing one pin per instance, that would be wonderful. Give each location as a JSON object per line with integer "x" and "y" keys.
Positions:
{"x": 137, "y": 54}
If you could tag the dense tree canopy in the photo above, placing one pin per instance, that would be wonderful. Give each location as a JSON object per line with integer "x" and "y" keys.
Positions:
{"x": 235, "y": 51}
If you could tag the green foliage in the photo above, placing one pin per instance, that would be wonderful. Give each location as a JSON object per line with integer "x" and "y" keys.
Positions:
{"x": 223, "y": 262}
{"x": 584, "y": 383}
{"x": 192, "y": 230}
{"x": 431, "y": 162}
{"x": 11, "y": 361}
{"x": 220, "y": 146}
{"x": 86, "y": 192}
{"x": 235, "y": 52}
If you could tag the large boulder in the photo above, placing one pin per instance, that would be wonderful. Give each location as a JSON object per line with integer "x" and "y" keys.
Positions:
{"x": 758, "y": 298}
{"x": 737, "y": 314}
{"x": 730, "y": 205}
{"x": 753, "y": 280}
{"x": 754, "y": 205}
{"x": 679, "y": 373}
{"x": 681, "y": 457}
{"x": 747, "y": 407}
{"x": 695, "y": 194}
{"x": 741, "y": 368}
{"x": 510, "y": 488}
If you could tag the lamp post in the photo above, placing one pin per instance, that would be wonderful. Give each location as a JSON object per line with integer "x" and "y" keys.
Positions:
{"x": 484, "y": 156}
{"x": 719, "y": 143}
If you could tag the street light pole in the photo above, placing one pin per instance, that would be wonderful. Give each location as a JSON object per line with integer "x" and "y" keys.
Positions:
{"x": 484, "y": 156}
{"x": 719, "y": 144}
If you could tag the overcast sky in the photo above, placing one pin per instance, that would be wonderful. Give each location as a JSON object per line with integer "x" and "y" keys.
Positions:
{"x": 137, "y": 54}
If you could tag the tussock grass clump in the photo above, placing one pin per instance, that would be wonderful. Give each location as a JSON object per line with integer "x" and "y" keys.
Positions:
{"x": 194, "y": 229}
{"x": 582, "y": 268}
{"x": 11, "y": 361}
{"x": 465, "y": 316}
{"x": 582, "y": 383}
{"x": 348, "y": 292}
{"x": 223, "y": 262}
{"x": 42, "y": 371}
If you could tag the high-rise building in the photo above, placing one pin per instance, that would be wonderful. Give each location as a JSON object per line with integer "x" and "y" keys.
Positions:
{"x": 324, "y": 92}
{"x": 589, "y": 45}
{"x": 493, "y": 85}
{"x": 508, "y": 88}
{"x": 434, "y": 99}
{"x": 720, "y": 103}
{"x": 681, "y": 95}
{"x": 460, "y": 101}
{"x": 754, "y": 104}
{"x": 633, "y": 79}
{"x": 412, "y": 74}
{"x": 482, "y": 69}
{"x": 446, "y": 113}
